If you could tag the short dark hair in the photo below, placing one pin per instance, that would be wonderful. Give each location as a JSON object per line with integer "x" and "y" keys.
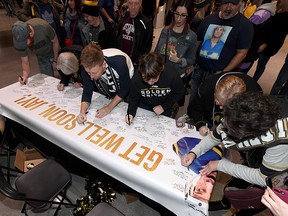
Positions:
{"x": 250, "y": 114}
{"x": 150, "y": 65}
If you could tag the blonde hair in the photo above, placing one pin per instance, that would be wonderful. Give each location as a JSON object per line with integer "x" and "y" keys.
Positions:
{"x": 228, "y": 87}
{"x": 68, "y": 63}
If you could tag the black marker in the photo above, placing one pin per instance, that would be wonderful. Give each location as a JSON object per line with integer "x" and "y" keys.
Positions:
{"x": 128, "y": 119}
{"x": 86, "y": 117}
{"x": 22, "y": 79}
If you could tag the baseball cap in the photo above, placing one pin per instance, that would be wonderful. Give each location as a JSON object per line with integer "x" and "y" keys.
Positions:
{"x": 20, "y": 32}
{"x": 230, "y": 1}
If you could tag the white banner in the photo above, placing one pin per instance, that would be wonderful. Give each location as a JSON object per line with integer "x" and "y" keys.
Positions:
{"x": 139, "y": 155}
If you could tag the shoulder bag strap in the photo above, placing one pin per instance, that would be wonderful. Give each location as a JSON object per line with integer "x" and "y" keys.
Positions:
{"x": 166, "y": 48}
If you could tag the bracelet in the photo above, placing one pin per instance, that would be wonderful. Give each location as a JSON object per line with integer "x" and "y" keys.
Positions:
{"x": 54, "y": 61}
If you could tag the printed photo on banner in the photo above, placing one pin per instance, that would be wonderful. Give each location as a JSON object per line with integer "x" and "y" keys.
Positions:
{"x": 200, "y": 187}
{"x": 185, "y": 144}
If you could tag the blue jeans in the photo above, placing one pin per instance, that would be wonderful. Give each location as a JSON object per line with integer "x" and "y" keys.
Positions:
{"x": 281, "y": 78}
{"x": 261, "y": 65}
{"x": 197, "y": 77}
{"x": 46, "y": 65}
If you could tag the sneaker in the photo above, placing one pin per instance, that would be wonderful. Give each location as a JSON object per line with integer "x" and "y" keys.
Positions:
{"x": 218, "y": 205}
{"x": 183, "y": 119}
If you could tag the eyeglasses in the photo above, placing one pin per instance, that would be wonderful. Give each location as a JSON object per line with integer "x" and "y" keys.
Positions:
{"x": 182, "y": 16}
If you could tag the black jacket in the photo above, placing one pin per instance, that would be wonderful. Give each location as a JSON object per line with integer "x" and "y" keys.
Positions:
{"x": 276, "y": 30}
{"x": 65, "y": 79}
{"x": 143, "y": 36}
{"x": 204, "y": 108}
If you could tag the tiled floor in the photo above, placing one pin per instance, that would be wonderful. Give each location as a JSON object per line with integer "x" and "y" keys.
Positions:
{"x": 10, "y": 69}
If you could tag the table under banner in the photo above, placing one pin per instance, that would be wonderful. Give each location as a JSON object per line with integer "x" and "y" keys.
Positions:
{"x": 140, "y": 155}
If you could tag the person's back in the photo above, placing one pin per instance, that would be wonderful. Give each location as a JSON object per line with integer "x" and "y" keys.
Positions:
{"x": 280, "y": 85}
{"x": 113, "y": 52}
{"x": 47, "y": 10}
{"x": 107, "y": 13}
{"x": 149, "y": 8}
{"x": 275, "y": 32}
{"x": 260, "y": 18}
{"x": 31, "y": 9}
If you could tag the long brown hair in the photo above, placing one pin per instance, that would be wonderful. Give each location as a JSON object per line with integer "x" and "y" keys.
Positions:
{"x": 189, "y": 5}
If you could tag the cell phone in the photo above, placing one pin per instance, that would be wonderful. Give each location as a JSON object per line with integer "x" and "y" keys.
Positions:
{"x": 280, "y": 180}
{"x": 279, "y": 184}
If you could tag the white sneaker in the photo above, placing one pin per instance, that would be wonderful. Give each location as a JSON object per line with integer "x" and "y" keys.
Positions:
{"x": 183, "y": 119}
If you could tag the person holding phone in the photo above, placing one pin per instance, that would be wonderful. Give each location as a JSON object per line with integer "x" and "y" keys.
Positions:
{"x": 276, "y": 205}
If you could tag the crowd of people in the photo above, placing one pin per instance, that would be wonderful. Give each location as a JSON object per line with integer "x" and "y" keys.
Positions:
{"x": 209, "y": 46}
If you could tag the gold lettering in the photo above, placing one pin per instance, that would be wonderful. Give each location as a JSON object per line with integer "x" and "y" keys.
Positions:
{"x": 141, "y": 156}
{"x": 16, "y": 101}
{"x": 25, "y": 102}
{"x": 98, "y": 128}
{"x": 49, "y": 111}
{"x": 65, "y": 120}
{"x": 100, "y": 137}
{"x": 36, "y": 103}
{"x": 73, "y": 125}
{"x": 156, "y": 163}
{"x": 125, "y": 155}
{"x": 39, "y": 104}
{"x": 57, "y": 115}
{"x": 111, "y": 142}
{"x": 90, "y": 124}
